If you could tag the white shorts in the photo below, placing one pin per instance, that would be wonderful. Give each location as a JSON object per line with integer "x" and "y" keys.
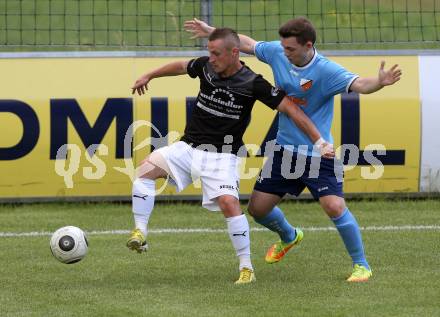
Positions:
{"x": 218, "y": 172}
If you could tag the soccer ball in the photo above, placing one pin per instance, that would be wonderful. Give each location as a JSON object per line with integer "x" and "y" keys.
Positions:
{"x": 69, "y": 244}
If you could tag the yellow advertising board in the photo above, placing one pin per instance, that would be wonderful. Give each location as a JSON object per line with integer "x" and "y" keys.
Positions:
{"x": 87, "y": 103}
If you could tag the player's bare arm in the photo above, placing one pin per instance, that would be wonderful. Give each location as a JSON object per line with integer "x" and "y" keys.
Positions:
{"x": 303, "y": 122}
{"x": 171, "y": 69}
{"x": 200, "y": 29}
{"x": 368, "y": 85}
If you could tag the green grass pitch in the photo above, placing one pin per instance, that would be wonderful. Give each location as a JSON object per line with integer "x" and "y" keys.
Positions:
{"x": 192, "y": 273}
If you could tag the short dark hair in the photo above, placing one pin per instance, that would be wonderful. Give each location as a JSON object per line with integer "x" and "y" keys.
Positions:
{"x": 227, "y": 34}
{"x": 301, "y": 28}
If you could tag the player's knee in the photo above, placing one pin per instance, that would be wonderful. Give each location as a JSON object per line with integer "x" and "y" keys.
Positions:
{"x": 229, "y": 205}
{"x": 256, "y": 211}
{"x": 252, "y": 207}
{"x": 145, "y": 169}
{"x": 252, "y": 211}
{"x": 334, "y": 207}
{"x": 148, "y": 169}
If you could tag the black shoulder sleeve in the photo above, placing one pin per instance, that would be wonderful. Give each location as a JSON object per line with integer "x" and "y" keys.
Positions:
{"x": 266, "y": 93}
{"x": 195, "y": 66}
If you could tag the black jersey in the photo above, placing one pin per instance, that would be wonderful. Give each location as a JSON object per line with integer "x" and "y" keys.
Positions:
{"x": 223, "y": 106}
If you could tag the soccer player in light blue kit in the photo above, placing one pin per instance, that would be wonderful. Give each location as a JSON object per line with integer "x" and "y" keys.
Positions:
{"x": 313, "y": 81}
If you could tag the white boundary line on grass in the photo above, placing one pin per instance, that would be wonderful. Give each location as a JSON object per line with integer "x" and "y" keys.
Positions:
{"x": 208, "y": 230}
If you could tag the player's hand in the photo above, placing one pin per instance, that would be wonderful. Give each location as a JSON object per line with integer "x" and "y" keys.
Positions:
{"x": 197, "y": 28}
{"x": 390, "y": 76}
{"x": 327, "y": 150}
{"x": 141, "y": 85}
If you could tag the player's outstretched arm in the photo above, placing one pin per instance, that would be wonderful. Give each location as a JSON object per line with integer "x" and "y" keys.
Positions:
{"x": 200, "y": 29}
{"x": 303, "y": 122}
{"x": 368, "y": 85}
{"x": 171, "y": 69}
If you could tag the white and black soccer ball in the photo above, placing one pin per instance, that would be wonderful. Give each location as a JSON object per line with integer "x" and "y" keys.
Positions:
{"x": 69, "y": 244}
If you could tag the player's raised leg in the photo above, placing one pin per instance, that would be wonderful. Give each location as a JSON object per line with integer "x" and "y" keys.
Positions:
{"x": 238, "y": 229}
{"x": 350, "y": 233}
{"x": 143, "y": 196}
{"x": 262, "y": 206}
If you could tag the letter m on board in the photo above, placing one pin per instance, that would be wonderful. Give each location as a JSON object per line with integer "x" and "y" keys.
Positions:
{"x": 62, "y": 110}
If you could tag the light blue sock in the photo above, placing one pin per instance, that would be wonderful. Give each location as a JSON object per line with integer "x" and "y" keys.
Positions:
{"x": 351, "y": 235}
{"x": 277, "y": 222}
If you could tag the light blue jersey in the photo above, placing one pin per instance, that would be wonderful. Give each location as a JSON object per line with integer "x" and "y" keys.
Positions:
{"x": 312, "y": 86}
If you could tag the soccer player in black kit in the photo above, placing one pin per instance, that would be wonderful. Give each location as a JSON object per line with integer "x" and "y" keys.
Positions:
{"x": 228, "y": 91}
